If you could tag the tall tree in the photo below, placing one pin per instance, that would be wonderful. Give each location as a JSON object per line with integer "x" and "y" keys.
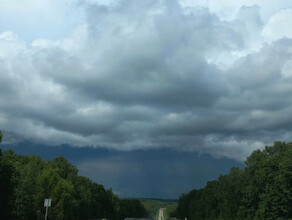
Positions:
{"x": 262, "y": 190}
{"x": 26, "y": 189}
{"x": 25, "y": 181}
{"x": 6, "y": 186}
{"x": 131, "y": 208}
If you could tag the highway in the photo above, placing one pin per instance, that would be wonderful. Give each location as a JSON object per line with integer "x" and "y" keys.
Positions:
{"x": 160, "y": 215}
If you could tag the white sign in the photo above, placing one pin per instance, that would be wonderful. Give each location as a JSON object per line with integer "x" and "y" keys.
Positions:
{"x": 47, "y": 203}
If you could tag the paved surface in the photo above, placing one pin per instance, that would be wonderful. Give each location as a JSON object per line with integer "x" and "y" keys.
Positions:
{"x": 160, "y": 215}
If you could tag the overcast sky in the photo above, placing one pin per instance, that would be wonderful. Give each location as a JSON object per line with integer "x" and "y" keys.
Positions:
{"x": 156, "y": 173}
{"x": 211, "y": 77}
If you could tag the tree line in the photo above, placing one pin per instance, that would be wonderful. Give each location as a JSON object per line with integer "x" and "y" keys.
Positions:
{"x": 25, "y": 181}
{"x": 261, "y": 190}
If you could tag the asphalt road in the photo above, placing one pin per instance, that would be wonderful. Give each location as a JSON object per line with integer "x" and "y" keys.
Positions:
{"x": 160, "y": 215}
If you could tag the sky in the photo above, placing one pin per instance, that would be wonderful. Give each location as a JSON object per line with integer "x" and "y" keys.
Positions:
{"x": 156, "y": 173}
{"x": 179, "y": 77}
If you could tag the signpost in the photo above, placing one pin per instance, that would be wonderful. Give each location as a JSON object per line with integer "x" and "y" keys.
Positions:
{"x": 47, "y": 204}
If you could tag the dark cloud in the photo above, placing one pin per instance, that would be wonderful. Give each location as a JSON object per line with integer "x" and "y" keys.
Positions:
{"x": 153, "y": 173}
{"x": 151, "y": 74}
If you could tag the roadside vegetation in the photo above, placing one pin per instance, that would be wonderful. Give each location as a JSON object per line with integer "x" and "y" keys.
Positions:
{"x": 262, "y": 190}
{"x": 169, "y": 209}
{"x": 153, "y": 205}
{"x": 25, "y": 181}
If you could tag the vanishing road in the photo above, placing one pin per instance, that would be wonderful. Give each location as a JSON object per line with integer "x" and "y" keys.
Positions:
{"x": 160, "y": 215}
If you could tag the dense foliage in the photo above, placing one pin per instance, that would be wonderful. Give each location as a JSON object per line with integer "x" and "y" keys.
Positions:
{"x": 25, "y": 181}
{"x": 153, "y": 205}
{"x": 262, "y": 190}
{"x": 132, "y": 208}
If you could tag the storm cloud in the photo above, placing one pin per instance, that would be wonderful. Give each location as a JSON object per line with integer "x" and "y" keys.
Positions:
{"x": 153, "y": 74}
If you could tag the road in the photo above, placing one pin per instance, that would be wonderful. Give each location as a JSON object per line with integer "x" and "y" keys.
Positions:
{"x": 160, "y": 215}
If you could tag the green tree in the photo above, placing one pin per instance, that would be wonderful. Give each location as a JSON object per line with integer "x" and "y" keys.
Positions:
{"x": 83, "y": 202}
{"x": 26, "y": 189}
{"x": 45, "y": 185}
{"x": 131, "y": 208}
{"x": 262, "y": 190}
{"x": 25, "y": 181}
{"x": 6, "y": 186}
{"x": 66, "y": 170}
{"x": 62, "y": 198}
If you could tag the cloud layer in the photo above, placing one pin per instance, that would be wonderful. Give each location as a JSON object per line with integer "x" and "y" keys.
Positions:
{"x": 156, "y": 173}
{"x": 153, "y": 74}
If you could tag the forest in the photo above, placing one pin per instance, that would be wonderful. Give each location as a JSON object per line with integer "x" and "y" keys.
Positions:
{"x": 261, "y": 190}
{"x": 25, "y": 181}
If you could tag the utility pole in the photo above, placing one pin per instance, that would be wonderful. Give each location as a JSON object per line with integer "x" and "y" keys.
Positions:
{"x": 46, "y": 213}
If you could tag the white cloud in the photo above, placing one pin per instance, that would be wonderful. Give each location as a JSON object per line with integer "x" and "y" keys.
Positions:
{"x": 33, "y": 19}
{"x": 278, "y": 25}
{"x": 10, "y": 44}
{"x": 228, "y": 9}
